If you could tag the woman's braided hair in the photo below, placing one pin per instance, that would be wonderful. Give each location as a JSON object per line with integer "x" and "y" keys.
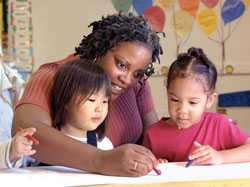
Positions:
{"x": 114, "y": 29}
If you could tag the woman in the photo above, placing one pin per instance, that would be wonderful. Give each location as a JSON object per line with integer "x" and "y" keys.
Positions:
{"x": 125, "y": 47}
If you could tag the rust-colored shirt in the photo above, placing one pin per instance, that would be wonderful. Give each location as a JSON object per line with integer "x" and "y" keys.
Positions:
{"x": 125, "y": 113}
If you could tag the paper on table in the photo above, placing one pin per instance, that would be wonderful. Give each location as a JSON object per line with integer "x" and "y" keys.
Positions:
{"x": 61, "y": 176}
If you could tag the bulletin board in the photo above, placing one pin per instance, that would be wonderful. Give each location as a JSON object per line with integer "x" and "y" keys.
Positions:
{"x": 20, "y": 34}
{"x": 17, "y": 34}
{"x": 220, "y": 27}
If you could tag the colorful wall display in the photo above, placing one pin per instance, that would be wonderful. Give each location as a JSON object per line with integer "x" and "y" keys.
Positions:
{"x": 4, "y": 26}
{"x": 20, "y": 34}
{"x": 216, "y": 19}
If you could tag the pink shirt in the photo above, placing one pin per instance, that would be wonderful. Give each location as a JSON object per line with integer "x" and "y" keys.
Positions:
{"x": 125, "y": 114}
{"x": 169, "y": 142}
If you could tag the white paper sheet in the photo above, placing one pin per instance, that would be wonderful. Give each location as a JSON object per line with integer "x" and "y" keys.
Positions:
{"x": 61, "y": 176}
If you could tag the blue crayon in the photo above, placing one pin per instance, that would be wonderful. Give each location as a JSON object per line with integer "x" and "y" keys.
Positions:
{"x": 189, "y": 163}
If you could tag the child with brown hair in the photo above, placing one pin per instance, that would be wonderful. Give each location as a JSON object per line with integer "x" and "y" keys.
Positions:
{"x": 191, "y": 133}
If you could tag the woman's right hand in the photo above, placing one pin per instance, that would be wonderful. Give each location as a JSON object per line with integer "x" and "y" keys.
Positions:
{"x": 126, "y": 160}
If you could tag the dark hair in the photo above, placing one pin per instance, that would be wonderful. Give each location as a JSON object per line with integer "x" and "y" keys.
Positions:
{"x": 114, "y": 29}
{"x": 194, "y": 62}
{"x": 75, "y": 82}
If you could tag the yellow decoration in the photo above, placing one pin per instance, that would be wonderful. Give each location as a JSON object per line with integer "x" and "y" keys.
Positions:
{"x": 182, "y": 23}
{"x": 246, "y": 2}
{"x": 229, "y": 69}
{"x": 164, "y": 70}
{"x": 165, "y": 4}
{"x": 207, "y": 20}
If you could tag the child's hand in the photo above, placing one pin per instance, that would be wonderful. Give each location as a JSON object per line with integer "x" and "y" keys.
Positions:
{"x": 20, "y": 145}
{"x": 205, "y": 155}
{"x": 162, "y": 160}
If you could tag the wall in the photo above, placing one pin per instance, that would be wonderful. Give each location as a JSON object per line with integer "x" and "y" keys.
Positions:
{"x": 60, "y": 24}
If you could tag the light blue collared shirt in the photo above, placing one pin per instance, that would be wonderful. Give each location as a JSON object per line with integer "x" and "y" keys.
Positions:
{"x": 6, "y": 116}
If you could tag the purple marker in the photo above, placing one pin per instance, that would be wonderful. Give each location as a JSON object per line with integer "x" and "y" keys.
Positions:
{"x": 157, "y": 171}
{"x": 189, "y": 162}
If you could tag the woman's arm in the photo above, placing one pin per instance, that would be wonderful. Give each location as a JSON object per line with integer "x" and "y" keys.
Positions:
{"x": 145, "y": 104}
{"x": 57, "y": 149}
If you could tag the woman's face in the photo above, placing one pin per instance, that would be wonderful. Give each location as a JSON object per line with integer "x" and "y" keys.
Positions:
{"x": 125, "y": 65}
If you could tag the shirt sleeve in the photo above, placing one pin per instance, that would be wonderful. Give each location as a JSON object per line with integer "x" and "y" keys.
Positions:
{"x": 233, "y": 136}
{"x": 14, "y": 164}
{"x": 144, "y": 98}
{"x": 38, "y": 87}
{"x": 3, "y": 152}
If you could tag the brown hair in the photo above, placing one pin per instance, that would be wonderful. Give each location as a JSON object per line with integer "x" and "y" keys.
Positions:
{"x": 194, "y": 62}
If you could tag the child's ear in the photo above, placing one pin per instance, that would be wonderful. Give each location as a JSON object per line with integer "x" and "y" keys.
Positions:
{"x": 211, "y": 99}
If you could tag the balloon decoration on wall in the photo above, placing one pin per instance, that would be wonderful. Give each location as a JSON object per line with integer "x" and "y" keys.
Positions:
{"x": 231, "y": 10}
{"x": 207, "y": 20}
{"x": 141, "y": 5}
{"x": 156, "y": 16}
{"x": 246, "y": 2}
{"x": 221, "y": 16}
{"x": 189, "y": 6}
{"x": 182, "y": 25}
{"x": 165, "y": 4}
{"x": 122, "y": 5}
{"x": 210, "y": 3}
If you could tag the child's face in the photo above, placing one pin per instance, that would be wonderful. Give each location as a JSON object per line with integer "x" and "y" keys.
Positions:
{"x": 187, "y": 100}
{"x": 89, "y": 114}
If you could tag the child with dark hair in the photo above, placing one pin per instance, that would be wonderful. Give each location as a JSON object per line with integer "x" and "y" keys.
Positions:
{"x": 190, "y": 132}
{"x": 79, "y": 102}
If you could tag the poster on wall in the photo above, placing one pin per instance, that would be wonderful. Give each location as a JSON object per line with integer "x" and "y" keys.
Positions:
{"x": 4, "y": 27}
{"x": 20, "y": 34}
{"x": 214, "y": 22}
